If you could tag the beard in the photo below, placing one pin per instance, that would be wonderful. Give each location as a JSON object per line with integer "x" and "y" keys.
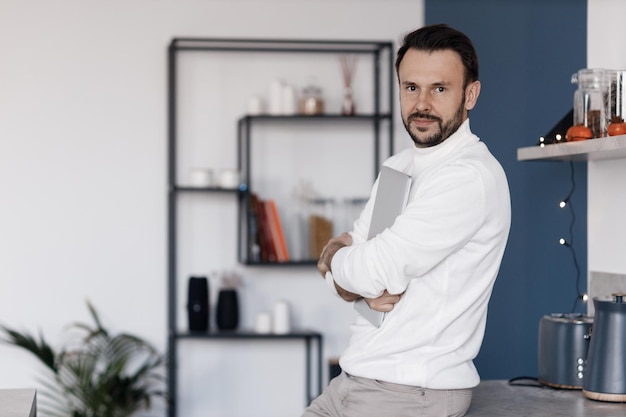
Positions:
{"x": 446, "y": 128}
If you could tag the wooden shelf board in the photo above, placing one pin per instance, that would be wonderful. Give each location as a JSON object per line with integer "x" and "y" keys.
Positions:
{"x": 612, "y": 147}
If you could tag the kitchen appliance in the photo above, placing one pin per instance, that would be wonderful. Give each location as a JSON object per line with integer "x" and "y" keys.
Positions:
{"x": 605, "y": 375}
{"x": 563, "y": 347}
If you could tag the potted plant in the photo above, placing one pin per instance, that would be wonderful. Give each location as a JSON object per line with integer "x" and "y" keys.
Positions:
{"x": 104, "y": 375}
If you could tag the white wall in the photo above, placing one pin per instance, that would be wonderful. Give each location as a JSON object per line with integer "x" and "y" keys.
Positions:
{"x": 83, "y": 180}
{"x": 606, "y": 197}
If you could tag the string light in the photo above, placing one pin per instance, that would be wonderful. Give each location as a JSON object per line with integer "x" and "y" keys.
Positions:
{"x": 569, "y": 243}
{"x": 557, "y": 139}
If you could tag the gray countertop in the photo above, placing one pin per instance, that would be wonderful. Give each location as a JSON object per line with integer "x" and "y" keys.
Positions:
{"x": 491, "y": 399}
{"x": 498, "y": 399}
{"x": 18, "y": 402}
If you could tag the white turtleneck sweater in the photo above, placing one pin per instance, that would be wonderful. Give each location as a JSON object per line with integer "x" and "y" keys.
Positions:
{"x": 443, "y": 253}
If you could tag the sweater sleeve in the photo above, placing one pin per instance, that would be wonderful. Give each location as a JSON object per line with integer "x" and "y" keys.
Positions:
{"x": 444, "y": 213}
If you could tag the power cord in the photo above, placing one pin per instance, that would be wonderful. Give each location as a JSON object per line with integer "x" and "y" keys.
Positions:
{"x": 526, "y": 381}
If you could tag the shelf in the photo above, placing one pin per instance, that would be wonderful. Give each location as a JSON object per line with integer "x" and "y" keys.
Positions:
{"x": 278, "y": 45}
{"x": 612, "y": 147}
{"x": 248, "y": 334}
{"x": 324, "y": 117}
{"x": 304, "y": 262}
{"x": 191, "y": 189}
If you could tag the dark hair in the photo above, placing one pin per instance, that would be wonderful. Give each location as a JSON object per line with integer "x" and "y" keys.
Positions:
{"x": 440, "y": 37}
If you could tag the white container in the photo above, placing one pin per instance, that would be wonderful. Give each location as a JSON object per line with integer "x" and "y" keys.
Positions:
{"x": 289, "y": 101}
{"x": 263, "y": 323}
{"x": 228, "y": 178}
{"x": 201, "y": 177}
{"x": 255, "y": 106}
{"x": 281, "y": 317}
{"x": 276, "y": 97}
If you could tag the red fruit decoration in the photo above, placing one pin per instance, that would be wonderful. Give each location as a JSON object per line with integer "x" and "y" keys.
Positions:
{"x": 578, "y": 132}
{"x": 616, "y": 127}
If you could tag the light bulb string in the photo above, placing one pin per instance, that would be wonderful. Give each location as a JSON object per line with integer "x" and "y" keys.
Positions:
{"x": 572, "y": 180}
{"x": 570, "y": 243}
{"x": 579, "y": 295}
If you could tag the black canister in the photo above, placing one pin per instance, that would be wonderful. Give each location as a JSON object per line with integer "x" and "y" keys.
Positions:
{"x": 198, "y": 304}
{"x": 605, "y": 375}
{"x": 227, "y": 315}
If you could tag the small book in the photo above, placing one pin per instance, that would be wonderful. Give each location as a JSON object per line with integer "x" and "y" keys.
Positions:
{"x": 276, "y": 231}
{"x": 391, "y": 199}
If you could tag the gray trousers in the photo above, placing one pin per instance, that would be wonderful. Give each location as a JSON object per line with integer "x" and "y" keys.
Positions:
{"x": 351, "y": 396}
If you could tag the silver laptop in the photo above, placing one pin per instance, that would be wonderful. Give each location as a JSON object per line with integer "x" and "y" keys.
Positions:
{"x": 391, "y": 199}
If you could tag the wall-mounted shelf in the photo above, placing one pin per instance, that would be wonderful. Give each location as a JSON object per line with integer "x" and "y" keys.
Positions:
{"x": 612, "y": 147}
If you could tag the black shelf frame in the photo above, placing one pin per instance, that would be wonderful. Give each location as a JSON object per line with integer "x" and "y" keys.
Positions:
{"x": 312, "y": 342}
{"x": 244, "y": 134}
{"x": 178, "y": 188}
{"x": 198, "y": 45}
{"x": 244, "y": 137}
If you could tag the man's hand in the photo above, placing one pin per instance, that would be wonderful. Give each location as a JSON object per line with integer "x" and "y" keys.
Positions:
{"x": 323, "y": 265}
{"x": 384, "y": 302}
{"x": 333, "y": 245}
{"x": 346, "y": 295}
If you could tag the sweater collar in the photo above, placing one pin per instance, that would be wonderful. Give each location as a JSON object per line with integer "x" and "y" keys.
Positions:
{"x": 458, "y": 138}
{"x": 424, "y": 157}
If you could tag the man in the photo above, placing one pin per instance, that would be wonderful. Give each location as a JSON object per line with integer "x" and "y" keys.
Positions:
{"x": 433, "y": 270}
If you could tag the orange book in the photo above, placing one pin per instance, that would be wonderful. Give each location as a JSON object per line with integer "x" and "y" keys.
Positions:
{"x": 276, "y": 231}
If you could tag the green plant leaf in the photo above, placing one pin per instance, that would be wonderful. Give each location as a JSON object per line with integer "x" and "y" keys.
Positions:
{"x": 41, "y": 349}
{"x": 101, "y": 375}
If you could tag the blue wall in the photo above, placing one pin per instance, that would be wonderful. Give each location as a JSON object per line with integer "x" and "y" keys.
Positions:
{"x": 528, "y": 51}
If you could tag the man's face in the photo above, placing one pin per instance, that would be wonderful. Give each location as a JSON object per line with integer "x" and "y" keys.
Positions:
{"x": 433, "y": 99}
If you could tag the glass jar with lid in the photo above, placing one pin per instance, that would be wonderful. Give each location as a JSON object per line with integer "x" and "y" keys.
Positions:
{"x": 615, "y": 103}
{"x": 590, "y": 98}
{"x": 321, "y": 224}
{"x": 312, "y": 102}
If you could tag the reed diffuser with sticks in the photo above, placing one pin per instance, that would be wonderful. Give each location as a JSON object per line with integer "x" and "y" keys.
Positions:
{"x": 348, "y": 68}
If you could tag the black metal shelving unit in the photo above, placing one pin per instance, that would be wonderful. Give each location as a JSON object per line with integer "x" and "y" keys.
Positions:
{"x": 312, "y": 344}
{"x": 245, "y": 136}
{"x": 381, "y": 122}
